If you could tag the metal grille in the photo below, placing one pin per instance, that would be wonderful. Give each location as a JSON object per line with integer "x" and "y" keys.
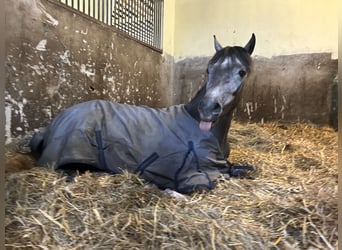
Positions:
{"x": 140, "y": 19}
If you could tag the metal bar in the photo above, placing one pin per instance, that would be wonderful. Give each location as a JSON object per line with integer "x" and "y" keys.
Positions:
{"x": 160, "y": 23}
{"x": 119, "y": 12}
{"x": 113, "y": 14}
{"x": 103, "y": 11}
{"x": 98, "y": 10}
{"x": 155, "y": 26}
{"x": 140, "y": 19}
{"x": 155, "y": 22}
{"x": 150, "y": 22}
{"x": 124, "y": 16}
{"x": 157, "y": 31}
{"x": 135, "y": 16}
{"x": 93, "y": 8}
{"x": 108, "y": 11}
{"x": 152, "y": 12}
{"x": 147, "y": 20}
{"x": 144, "y": 22}
{"x": 130, "y": 9}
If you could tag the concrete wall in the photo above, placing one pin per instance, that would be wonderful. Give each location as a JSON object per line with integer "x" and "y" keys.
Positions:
{"x": 295, "y": 55}
{"x": 56, "y": 58}
{"x": 293, "y": 88}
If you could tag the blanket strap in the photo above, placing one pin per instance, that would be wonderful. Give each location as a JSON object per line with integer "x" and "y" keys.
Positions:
{"x": 101, "y": 156}
{"x": 148, "y": 161}
{"x": 177, "y": 174}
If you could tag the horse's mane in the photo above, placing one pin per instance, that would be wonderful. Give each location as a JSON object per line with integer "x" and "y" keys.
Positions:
{"x": 235, "y": 52}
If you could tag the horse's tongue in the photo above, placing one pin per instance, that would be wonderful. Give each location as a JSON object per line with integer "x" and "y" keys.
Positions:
{"x": 205, "y": 126}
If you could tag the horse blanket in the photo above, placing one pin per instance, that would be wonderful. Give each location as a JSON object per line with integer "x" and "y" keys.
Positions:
{"x": 164, "y": 146}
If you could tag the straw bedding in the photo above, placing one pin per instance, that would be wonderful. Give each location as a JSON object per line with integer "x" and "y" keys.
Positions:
{"x": 290, "y": 202}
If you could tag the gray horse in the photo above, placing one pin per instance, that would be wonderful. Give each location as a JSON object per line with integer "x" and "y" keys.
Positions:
{"x": 182, "y": 147}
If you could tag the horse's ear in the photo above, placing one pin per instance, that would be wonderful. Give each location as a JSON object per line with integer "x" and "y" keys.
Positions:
{"x": 250, "y": 45}
{"x": 217, "y": 44}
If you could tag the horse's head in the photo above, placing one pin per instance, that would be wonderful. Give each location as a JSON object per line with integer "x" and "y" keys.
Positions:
{"x": 227, "y": 72}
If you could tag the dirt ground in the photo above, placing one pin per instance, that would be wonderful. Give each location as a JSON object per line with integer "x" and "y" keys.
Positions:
{"x": 290, "y": 201}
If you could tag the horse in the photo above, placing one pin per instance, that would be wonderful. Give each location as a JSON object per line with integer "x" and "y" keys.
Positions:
{"x": 182, "y": 147}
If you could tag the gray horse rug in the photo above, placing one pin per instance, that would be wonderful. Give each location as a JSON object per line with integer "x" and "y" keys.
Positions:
{"x": 163, "y": 146}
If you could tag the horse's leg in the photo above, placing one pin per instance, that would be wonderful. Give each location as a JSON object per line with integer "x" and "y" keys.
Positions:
{"x": 240, "y": 171}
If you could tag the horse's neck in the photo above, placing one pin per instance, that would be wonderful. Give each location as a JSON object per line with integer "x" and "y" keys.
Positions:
{"x": 220, "y": 130}
{"x": 221, "y": 126}
{"x": 192, "y": 106}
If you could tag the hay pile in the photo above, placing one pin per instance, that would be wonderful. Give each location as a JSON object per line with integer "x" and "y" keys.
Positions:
{"x": 291, "y": 202}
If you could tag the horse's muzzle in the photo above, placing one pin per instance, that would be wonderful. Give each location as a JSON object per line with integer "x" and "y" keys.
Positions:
{"x": 209, "y": 110}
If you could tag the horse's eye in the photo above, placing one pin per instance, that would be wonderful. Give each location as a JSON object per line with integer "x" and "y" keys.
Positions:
{"x": 242, "y": 73}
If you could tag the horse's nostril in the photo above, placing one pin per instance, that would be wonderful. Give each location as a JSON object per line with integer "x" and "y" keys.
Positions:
{"x": 216, "y": 109}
